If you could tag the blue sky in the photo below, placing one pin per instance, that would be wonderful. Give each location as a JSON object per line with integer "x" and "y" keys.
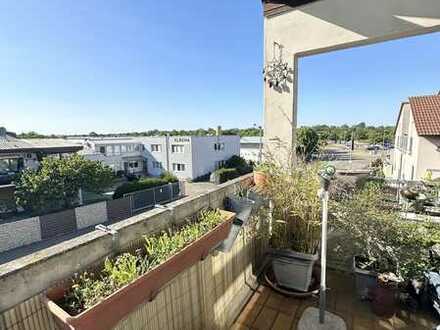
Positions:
{"x": 115, "y": 66}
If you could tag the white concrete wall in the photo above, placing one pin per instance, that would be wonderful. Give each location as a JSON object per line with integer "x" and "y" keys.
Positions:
{"x": 250, "y": 152}
{"x": 428, "y": 156}
{"x": 205, "y": 157}
{"x": 322, "y": 26}
{"x": 19, "y": 233}
{"x": 155, "y": 156}
{"x": 91, "y": 215}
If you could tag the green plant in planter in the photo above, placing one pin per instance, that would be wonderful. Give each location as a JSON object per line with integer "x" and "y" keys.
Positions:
{"x": 297, "y": 208}
{"x": 90, "y": 288}
{"x": 264, "y": 167}
{"x": 385, "y": 241}
{"x": 296, "y": 217}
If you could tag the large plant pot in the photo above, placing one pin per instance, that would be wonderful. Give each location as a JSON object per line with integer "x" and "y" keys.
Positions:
{"x": 365, "y": 280}
{"x": 293, "y": 270}
{"x": 260, "y": 180}
{"x": 107, "y": 313}
{"x": 241, "y": 206}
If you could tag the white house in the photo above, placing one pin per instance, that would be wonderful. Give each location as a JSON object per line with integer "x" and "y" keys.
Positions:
{"x": 251, "y": 148}
{"x": 417, "y": 139}
{"x": 121, "y": 154}
{"x": 188, "y": 157}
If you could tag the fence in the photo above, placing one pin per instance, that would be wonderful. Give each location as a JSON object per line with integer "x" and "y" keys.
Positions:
{"x": 15, "y": 234}
{"x": 148, "y": 198}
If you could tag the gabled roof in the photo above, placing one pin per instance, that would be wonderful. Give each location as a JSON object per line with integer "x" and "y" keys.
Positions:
{"x": 426, "y": 114}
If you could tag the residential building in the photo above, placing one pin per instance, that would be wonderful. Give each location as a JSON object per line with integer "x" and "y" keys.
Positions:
{"x": 417, "y": 139}
{"x": 251, "y": 148}
{"x": 188, "y": 157}
{"x": 121, "y": 154}
{"x": 19, "y": 154}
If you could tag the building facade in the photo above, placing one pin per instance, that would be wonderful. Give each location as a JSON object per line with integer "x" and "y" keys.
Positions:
{"x": 20, "y": 154}
{"x": 187, "y": 157}
{"x": 417, "y": 139}
{"x": 122, "y": 155}
{"x": 251, "y": 148}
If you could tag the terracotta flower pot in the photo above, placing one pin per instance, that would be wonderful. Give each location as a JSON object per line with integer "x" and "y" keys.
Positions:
{"x": 260, "y": 180}
{"x": 107, "y": 313}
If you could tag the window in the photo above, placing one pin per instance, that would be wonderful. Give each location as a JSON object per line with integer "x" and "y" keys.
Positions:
{"x": 177, "y": 148}
{"x": 220, "y": 164}
{"x": 219, "y": 146}
{"x": 129, "y": 147}
{"x": 102, "y": 150}
{"x": 123, "y": 148}
{"x": 410, "y": 145}
{"x": 157, "y": 165}
{"x": 109, "y": 150}
{"x": 178, "y": 167}
{"x": 134, "y": 164}
{"x": 156, "y": 148}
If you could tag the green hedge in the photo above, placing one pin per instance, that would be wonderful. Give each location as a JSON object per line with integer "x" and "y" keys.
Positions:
{"x": 142, "y": 184}
{"x": 226, "y": 174}
{"x": 240, "y": 164}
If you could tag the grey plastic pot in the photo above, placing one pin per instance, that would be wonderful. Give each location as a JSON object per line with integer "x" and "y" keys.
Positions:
{"x": 365, "y": 281}
{"x": 293, "y": 270}
{"x": 241, "y": 206}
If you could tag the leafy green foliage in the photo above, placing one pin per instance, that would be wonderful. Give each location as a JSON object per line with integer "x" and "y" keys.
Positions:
{"x": 386, "y": 241}
{"x": 307, "y": 143}
{"x": 56, "y": 183}
{"x": 89, "y": 288}
{"x": 239, "y": 163}
{"x": 226, "y": 174}
{"x": 142, "y": 184}
{"x": 297, "y": 208}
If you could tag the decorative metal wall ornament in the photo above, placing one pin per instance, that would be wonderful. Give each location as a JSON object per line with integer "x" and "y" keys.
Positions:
{"x": 276, "y": 72}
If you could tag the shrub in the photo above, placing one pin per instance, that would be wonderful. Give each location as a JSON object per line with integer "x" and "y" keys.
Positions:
{"x": 169, "y": 177}
{"x": 142, "y": 184}
{"x": 386, "y": 241}
{"x": 240, "y": 164}
{"x": 226, "y": 174}
{"x": 56, "y": 183}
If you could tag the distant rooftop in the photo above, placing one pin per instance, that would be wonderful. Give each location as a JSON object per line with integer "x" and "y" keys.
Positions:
{"x": 250, "y": 139}
{"x": 426, "y": 113}
{"x": 9, "y": 143}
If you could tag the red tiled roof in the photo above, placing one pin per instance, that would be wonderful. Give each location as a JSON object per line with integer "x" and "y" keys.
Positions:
{"x": 426, "y": 113}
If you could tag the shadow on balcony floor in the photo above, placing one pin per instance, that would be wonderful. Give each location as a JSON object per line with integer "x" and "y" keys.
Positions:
{"x": 270, "y": 310}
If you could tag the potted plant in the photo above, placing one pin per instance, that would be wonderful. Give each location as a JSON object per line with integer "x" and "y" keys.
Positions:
{"x": 101, "y": 299}
{"x": 296, "y": 217}
{"x": 261, "y": 175}
{"x": 387, "y": 249}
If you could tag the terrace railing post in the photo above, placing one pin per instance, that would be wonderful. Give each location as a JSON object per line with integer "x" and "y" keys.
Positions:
{"x": 323, "y": 286}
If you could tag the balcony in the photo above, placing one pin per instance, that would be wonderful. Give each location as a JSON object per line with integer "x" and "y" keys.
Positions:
{"x": 268, "y": 310}
{"x": 226, "y": 290}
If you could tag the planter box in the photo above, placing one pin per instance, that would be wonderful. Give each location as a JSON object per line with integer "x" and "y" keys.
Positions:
{"x": 107, "y": 313}
{"x": 293, "y": 270}
{"x": 365, "y": 281}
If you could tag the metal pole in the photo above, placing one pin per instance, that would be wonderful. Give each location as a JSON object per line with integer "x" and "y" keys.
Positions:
{"x": 323, "y": 288}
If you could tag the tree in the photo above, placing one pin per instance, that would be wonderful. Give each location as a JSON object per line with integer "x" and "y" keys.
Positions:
{"x": 307, "y": 142}
{"x": 56, "y": 183}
